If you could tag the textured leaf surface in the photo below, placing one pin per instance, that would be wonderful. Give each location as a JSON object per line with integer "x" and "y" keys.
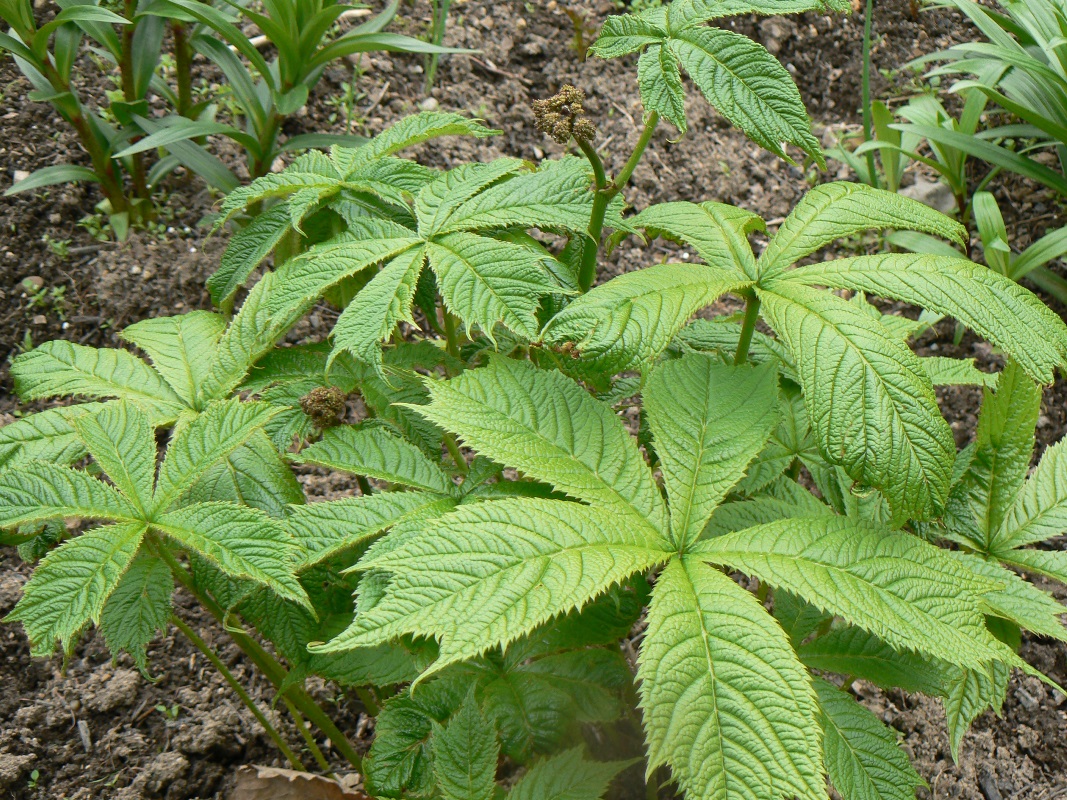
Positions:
{"x": 567, "y": 776}
{"x": 485, "y": 281}
{"x": 995, "y": 307}
{"x": 893, "y": 585}
{"x": 60, "y": 368}
{"x": 197, "y": 445}
{"x": 464, "y": 755}
{"x": 38, "y": 491}
{"x": 957, "y": 372}
{"x": 409, "y": 132}
{"x": 490, "y": 572}
{"x": 872, "y": 410}
{"x": 725, "y": 701}
{"x": 970, "y": 692}
{"x": 660, "y": 84}
{"x": 45, "y": 436}
{"x": 852, "y": 651}
{"x": 439, "y": 199}
{"x": 1040, "y": 510}
{"x": 123, "y": 445}
{"x": 835, "y": 210}
{"x": 548, "y": 427}
{"x": 630, "y": 319}
{"x": 70, "y": 586}
{"x": 138, "y": 608}
{"x": 242, "y": 542}
{"x": 373, "y": 451}
{"x": 719, "y": 232}
{"x": 246, "y": 250}
{"x": 863, "y": 759}
{"x": 180, "y": 348}
{"x": 708, "y": 421}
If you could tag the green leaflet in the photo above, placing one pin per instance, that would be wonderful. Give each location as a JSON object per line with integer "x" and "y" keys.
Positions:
{"x": 373, "y": 451}
{"x": 45, "y": 436}
{"x": 862, "y": 757}
{"x": 246, "y": 250}
{"x": 629, "y": 320}
{"x": 548, "y": 427}
{"x": 60, "y": 368}
{"x": 852, "y": 651}
{"x": 969, "y": 693}
{"x": 992, "y": 305}
{"x": 660, "y": 83}
{"x": 725, "y": 701}
{"x": 835, "y": 210}
{"x": 138, "y": 608}
{"x": 222, "y": 428}
{"x": 408, "y": 132}
{"x": 487, "y": 573}
{"x": 123, "y": 445}
{"x": 329, "y": 528}
{"x": 944, "y": 371}
{"x": 1051, "y": 563}
{"x": 37, "y": 491}
{"x": 70, "y": 586}
{"x": 1040, "y": 509}
{"x": 465, "y": 754}
{"x": 872, "y": 410}
{"x": 893, "y": 585}
{"x": 440, "y": 198}
{"x": 180, "y": 348}
{"x": 242, "y": 542}
{"x": 567, "y": 776}
{"x": 708, "y": 421}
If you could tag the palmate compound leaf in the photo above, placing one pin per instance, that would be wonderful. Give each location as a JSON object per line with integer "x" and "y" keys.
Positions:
{"x": 242, "y": 542}
{"x": 873, "y": 411}
{"x": 726, "y": 702}
{"x": 374, "y": 451}
{"x": 440, "y": 198}
{"x": 567, "y": 776}
{"x": 70, "y": 586}
{"x": 123, "y": 444}
{"x": 465, "y": 752}
{"x": 894, "y": 585}
{"x": 708, "y": 422}
{"x": 994, "y": 306}
{"x": 629, "y": 320}
{"x": 863, "y": 759}
{"x": 36, "y": 491}
{"x": 835, "y": 210}
{"x": 138, "y": 608}
{"x": 549, "y": 428}
{"x": 60, "y": 368}
{"x": 488, "y": 573}
{"x": 181, "y": 348}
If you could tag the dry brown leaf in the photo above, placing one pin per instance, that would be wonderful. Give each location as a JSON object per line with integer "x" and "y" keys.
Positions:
{"x": 274, "y": 783}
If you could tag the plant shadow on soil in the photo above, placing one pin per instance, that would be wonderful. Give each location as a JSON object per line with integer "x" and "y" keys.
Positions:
{"x": 100, "y": 730}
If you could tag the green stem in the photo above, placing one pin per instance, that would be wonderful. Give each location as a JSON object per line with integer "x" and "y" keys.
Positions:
{"x": 368, "y": 702}
{"x": 451, "y": 333}
{"x": 183, "y": 67}
{"x": 263, "y": 660}
{"x": 748, "y": 327}
{"x": 223, "y": 670}
{"x": 365, "y": 488}
{"x": 126, "y": 69}
{"x": 868, "y": 114}
{"x": 600, "y": 178}
{"x": 454, "y": 451}
{"x": 639, "y": 150}
{"x": 301, "y": 726}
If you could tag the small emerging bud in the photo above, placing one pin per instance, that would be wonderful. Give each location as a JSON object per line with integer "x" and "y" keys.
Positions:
{"x": 560, "y": 116}
{"x": 324, "y": 404}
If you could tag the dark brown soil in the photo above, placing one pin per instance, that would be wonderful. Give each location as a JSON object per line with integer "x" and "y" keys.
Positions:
{"x": 127, "y": 749}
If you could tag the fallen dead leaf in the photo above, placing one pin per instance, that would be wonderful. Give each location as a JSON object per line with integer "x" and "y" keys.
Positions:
{"x": 273, "y": 783}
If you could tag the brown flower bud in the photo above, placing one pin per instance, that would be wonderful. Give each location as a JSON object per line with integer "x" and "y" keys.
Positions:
{"x": 560, "y": 116}
{"x": 324, "y": 404}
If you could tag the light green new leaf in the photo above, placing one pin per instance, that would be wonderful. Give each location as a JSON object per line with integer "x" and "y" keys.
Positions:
{"x": 374, "y": 313}
{"x": 465, "y": 752}
{"x": 408, "y": 132}
{"x": 70, "y": 586}
{"x": 629, "y": 320}
{"x": 660, "y": 83}
{"x": 242, "y": 542}
{"x": 485, "y": 281}
{"x": 969, "y": 693}
{"x": 490, "y": 572}
{"x": 246, "y": 250}
{"x": 944, "y": 371}
{"x": 708, "y": 421}
{"x": 369, "y": 241}
{"x": 627, "y": 33}
{"x": 45, "y": 436}
{"x": 549, "y": 428}
{"x": 327, "y": 529}
{"x": 37, "y": 491}
{"x": 852, "y": 651}
{"x": 123, "y": 444}
{"x": 871, "y": 408}
{"x": 835, "y": 210}
{"x": 60, "y": 368}
{"x": 374, "y": 451}
{"x": 992, "y": 305}
{"x": 726, "y": 703}
{"x": 863, "y": 759}
{"x": 194, "y": 447}
{"x": 999, "y": 459}
{"x": 439, "y": 199}
{"x": 567, "y": 776}
{"x": 748, "y": 86}
{"x": 138, "y": 608}
{"x": 1050, "y": 563}
{"x": 719, "y": 232}
{"x": 1040, "y": 509}
{"x": 896, "y": 586}
{"x": 180, "y": 348}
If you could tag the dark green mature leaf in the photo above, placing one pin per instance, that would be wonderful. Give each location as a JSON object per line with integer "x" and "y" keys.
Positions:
{"x": 969, "y": 693}
{"x": 567, "y": 776}
{"x": 465, "y": 754}
{"x": 852, "y": 651}
{"x": 660, "y": 84}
